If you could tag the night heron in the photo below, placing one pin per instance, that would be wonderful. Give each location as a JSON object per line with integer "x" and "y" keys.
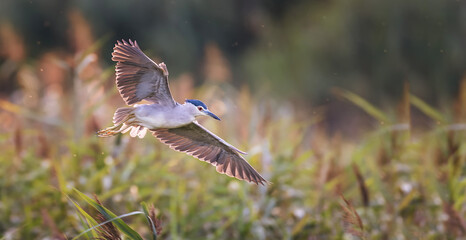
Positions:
{"x": 139, "y": 78}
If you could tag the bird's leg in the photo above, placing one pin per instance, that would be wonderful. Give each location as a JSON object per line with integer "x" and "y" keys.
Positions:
{"x": 110, "y": 131}
{"x": 123, "y": 119}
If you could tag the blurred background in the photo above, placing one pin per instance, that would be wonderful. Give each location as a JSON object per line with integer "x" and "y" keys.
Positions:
{"x": 295, "y": 51}
{"x": 361, "y": 99}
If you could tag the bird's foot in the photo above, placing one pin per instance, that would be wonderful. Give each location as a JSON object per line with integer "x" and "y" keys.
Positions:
{"x": 110, "y": 131}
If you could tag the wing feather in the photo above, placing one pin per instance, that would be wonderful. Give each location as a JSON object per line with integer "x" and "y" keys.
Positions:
{"x": 206, "y": 146}
{"x": 211, "y": 155}
{"x": 138, "y": 77}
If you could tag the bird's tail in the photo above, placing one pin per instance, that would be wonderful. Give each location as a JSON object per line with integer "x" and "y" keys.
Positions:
{"x": 124, "y": 120}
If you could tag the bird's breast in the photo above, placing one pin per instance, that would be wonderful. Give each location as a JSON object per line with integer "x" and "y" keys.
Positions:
{"x": 157, "y": 116}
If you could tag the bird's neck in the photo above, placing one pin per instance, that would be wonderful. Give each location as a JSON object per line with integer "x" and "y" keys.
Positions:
{"x": 187, "y": 110}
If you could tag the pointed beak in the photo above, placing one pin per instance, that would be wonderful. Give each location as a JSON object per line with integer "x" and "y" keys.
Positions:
{"x": 211, "y": 114}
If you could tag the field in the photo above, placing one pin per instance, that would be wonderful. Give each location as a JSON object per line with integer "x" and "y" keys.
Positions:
{"x": 395, "y": 182}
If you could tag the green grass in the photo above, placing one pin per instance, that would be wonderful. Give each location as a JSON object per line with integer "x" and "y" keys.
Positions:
{"x": 397, "y": 182}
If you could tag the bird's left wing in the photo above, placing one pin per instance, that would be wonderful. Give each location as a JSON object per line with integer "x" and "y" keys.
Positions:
{"x": 138, "y": 77}
{"x": 199, "y": 142}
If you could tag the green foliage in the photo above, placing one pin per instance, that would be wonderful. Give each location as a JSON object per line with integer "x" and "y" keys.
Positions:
{"x": 109, "y": 216}
{"x": 406, "y": 179}
{"x": 396, "y": 182}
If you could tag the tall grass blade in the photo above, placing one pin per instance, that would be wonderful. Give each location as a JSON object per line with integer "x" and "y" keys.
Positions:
{"x": 151, "y": 223}
{"x": 427, "y": 110}
{"x": 362, "y": 185}
{"x": 116, "y": 218}
{"x": 120, "y": 224}
{"x": 362, "y": 103}
{"x": 89, "y": 220}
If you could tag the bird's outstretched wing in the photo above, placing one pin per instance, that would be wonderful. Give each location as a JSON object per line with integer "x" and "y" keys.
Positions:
{"x": 199, "y": 142}
{"x": 138, "y": 77}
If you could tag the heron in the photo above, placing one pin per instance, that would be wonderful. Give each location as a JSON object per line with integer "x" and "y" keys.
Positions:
{"x": 140, "y": 78}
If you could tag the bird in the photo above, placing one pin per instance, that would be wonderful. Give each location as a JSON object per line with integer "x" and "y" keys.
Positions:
{"x": 174, "y": 124}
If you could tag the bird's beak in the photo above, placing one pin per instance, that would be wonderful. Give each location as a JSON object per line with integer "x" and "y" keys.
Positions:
{"x": 211, "y": 114}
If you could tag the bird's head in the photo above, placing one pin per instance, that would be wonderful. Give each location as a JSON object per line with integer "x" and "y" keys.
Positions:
{"x": 200, "y": 108}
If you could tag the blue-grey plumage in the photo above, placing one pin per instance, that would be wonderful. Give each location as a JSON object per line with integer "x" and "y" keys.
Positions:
{"x": 139, "y": 78}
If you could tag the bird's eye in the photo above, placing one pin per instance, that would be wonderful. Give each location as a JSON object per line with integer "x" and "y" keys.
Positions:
{"x": 199, "y": 108}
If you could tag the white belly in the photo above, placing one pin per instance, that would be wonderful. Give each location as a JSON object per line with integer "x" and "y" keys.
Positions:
{"x": 156, "y": 116}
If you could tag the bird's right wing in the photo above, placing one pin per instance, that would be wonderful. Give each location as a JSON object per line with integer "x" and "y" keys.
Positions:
{"x": 138, "y": 77}
{"x": 199, "y": 142}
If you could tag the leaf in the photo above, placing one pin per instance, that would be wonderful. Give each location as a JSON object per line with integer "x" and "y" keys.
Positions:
{"x": 110, "y": 220}
{"x": 427, "y": 110}
{"x": 90, "y": 221}
{"x": 362, "y": 103}
{"x": 120, "y": 224}
{"x": 151, "y": 223}
{"x": 298, "y": 227}
{"x": 407, "y": 200}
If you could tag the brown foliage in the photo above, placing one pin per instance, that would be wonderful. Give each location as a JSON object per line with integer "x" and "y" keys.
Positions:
{"x": 351, "y": 220}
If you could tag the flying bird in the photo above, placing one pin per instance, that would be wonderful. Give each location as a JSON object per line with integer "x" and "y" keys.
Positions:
{"x": 139, "y": 78}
